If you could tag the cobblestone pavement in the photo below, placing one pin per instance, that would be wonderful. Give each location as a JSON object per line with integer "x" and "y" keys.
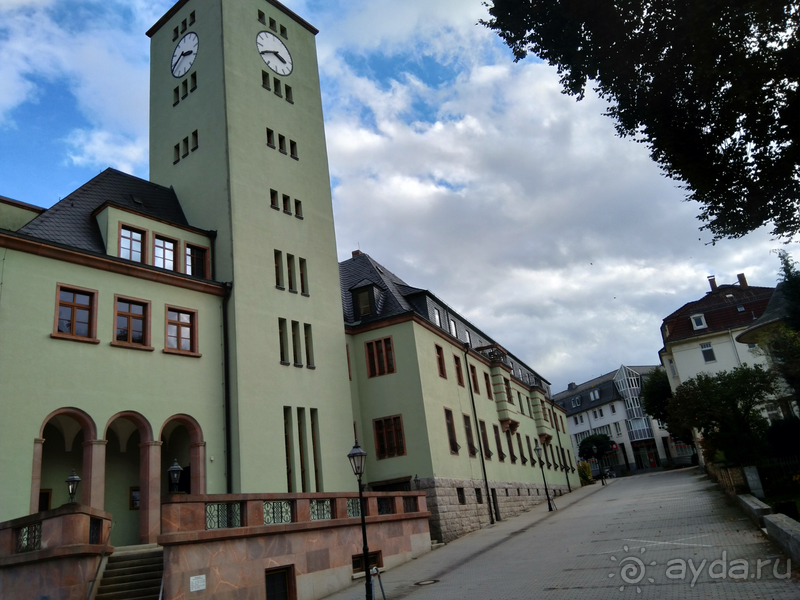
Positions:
{"x": 662, "y": 535}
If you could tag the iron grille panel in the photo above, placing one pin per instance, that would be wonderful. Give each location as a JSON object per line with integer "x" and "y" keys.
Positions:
{"x": 277, "y": 512}
{"x": 409, "y": 504}
{"x": 385, "y": 506}
{"x": 353, "y": 508}
{"x": 95, "y": 531}
{"x": 223, "y": 515}
{"x": 29, "y": 538}
{"x": 320, "y": 510}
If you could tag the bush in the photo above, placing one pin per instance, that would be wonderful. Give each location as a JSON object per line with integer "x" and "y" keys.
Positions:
{"x": 585, "y": 473}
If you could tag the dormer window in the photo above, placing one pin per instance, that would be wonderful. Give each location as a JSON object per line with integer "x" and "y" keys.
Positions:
{"x": 698, "y": 321}
{"x": 362, "y": 299}
{"x": 131, "y": 244}
{"x": 594, "y": 395}
{"x": 576, "y": 401}
{"x": 437, "y": 317}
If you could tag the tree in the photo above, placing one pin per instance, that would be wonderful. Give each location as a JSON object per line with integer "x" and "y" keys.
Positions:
{"x": 711, "y": 86}
{"x": 656, "y": 393}
{"x": 601, "y": 441}
{"x": 726, "y": 409}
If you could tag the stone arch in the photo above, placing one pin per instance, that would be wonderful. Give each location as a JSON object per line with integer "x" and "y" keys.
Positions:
{"x": 197, "y": 449}
{"x": 124, "y": 424}
{"x": 72, "y": 421}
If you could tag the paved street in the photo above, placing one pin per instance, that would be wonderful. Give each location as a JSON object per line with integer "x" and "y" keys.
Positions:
{"x": 639, "y": 537}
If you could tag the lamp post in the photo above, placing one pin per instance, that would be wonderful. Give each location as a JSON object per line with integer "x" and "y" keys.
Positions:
{"x": 72, "y": 485}
{"x": 599, "y": 465}
{"x": 538, "y": 450}
{"x": 174, "y": 476}
{"x": 358, "y": 458}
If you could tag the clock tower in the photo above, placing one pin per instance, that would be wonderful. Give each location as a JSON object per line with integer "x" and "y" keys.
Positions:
{"x": 236, "y": 129}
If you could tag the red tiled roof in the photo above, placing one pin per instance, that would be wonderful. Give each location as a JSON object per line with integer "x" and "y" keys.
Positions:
{"x": 721, "y": 309}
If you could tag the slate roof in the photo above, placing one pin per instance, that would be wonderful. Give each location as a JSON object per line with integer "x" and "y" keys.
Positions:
{"x": 70, "y": 221}
{"x": 394, "y": 297}
{"x": 603, "y": 383}
{"x": 774, "y": 313}
{"x": 721, "y": 309}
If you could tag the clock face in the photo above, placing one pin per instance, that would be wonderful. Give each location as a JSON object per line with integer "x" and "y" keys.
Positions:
{"x": 274, "y": 52}
{"x": 184, "y": 55}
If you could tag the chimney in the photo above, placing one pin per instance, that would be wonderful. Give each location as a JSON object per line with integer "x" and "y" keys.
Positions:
{"x": 742, "y": 280}
{"x": 571, "y": 386}
{"x": 357, "y": 253}
{"x": 712, "y": 281}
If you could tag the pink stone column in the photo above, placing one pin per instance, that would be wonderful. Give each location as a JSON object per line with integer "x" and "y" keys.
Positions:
{"x": 94, "y": 474}
{"x": 197, "y": 454}
{"x": 36, "y": 475}
{"x": 150, "y": 497}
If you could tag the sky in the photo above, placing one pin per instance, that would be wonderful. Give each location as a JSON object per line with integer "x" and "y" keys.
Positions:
{"x": 459, "y": 170}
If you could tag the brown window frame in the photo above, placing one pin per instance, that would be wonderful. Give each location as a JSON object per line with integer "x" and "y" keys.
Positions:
{"x": 386, "y": 428}
{"x": 459, "y": 372}
{"x": 488, "y": 381}
{"x": 509, "y": 395}
{"x": 140, "y": 231}
{"x": 176, "y": 248}
{"x": 283, "y": 342}
{"x": 193, "y": 331}
{"x": 476, "y": 388}
{"x": 487, "y": 453}
{"x": 472, "y": 450}
{"x": 521, "y": 450}
{"x": 363, "y": 303}
{"x": 510, "y": 442}
{"x": 206, "y": 260}
{"x": 146, "y": 317}
{"x": 92, "y": 323}
{"x": 501, "y": 456}
{"x": 530, "y": 450}
{"x": 450, "y": 425}
{"x": 377, "y": 350}
{"x": 440, "y": 361}
{"x": 291, "y": 583}
{"x": 349, "y": 370}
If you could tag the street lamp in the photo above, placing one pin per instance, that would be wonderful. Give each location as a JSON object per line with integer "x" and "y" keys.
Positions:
{"x": 72, "y": 485}
{"x": 358, "y": 458}
{"x": 174, "y": 476}
{"x": 538, "y": 450}
{"x": 599, "y": 465}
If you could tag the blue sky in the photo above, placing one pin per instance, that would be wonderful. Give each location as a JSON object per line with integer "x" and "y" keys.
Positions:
{"x": 461, "y": 171}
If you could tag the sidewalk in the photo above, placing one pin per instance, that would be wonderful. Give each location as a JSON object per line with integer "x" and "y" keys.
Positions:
{"x": 399, "y": 582}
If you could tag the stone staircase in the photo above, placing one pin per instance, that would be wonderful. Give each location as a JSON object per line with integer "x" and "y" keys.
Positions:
{"x": 133, "y": 573}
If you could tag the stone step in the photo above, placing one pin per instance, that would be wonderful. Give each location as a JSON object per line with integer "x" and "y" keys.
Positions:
{"x": 136, "y": 594}
{"x": 131, "y": 571}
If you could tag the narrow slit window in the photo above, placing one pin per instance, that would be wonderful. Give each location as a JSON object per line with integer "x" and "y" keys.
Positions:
{"x": 459, "y": 374}
{"x": 287, "y": 204}
{"x": 284, "y": 33}
{"x": 184, "y": 89}
{"x": 293, "y": 148}
{"x": 273, "y": 24}
{"x": 287, "y": 91}
{"x": 273, "y": 199}
{"x": 298, "y": 209}
{"x": 282, "y": 342}
{"x": 282, "y": 143}
{"x": 296, "y": 354}
{"x": 290, "y": 274}
{"x": 487, "y": 454}
{"x": 185, "y": 151}
{"x": 440, "y": 362}
{"x": 192, "y": 18}
{"x": 192, "y": 82}
{"x": 262, "y": 18}
{"x": 500, "y": 454}
{"x": 265, "y": 80}
{"x": 176, "y": 154}
{"x": 174, "y": 34}
{"x": 195, "y": 140}
{"x": 472, "y": 449}
{"x": 270, "y": 138}
{"x": 451, "y": 431}
{"x": 309, "y": 344}
{"x": 183, "y": 25}
{"x": 276, "y": 86}
{"x": 176, "y": 96}
{"x": 279, "y": 269}
{"x": 303, "y": 276}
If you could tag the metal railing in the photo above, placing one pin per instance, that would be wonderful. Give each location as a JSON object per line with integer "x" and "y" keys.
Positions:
{"x": 385, "y": 506}
{"x": 223, "y": 515}
{"x": 353, "y": 507}
{"x": 277, "y": 512}
{"x": 29, "y": 538}
{"x": 320, "y": 510}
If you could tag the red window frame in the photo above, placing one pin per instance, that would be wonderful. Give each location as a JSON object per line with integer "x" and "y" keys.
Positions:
{"x": 389, "y": 437}
{"x": 488, "y": 381}
{"x": 73, "y": 306}
{"x": 440, "y": 362}
{"x": 379, "y": 355}
{"x": 459, "y": 372}
{"x": 475, "y": 383}
{"x": 451, "y": 431}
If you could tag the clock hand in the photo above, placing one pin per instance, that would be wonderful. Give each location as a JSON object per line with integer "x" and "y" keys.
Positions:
{"x": 275, "y": 52}
{"x": 187, "y": 53}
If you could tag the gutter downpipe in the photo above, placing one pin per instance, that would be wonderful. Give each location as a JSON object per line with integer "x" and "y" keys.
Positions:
{"x": 558, "y": 437}
{"x": 225, "y": 366}
{"x": 480, "y": 437}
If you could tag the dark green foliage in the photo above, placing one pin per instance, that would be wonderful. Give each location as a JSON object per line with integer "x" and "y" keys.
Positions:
{"x": 711, "y": 86}
{"x": 726, "y": 409}
{"x": 599, "y": 440}
{"x": 656, "y": 393}
{"x": 783, "y": 437}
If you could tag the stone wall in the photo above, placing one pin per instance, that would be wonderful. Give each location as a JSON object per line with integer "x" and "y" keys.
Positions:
{"x": 450, "y": 518}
